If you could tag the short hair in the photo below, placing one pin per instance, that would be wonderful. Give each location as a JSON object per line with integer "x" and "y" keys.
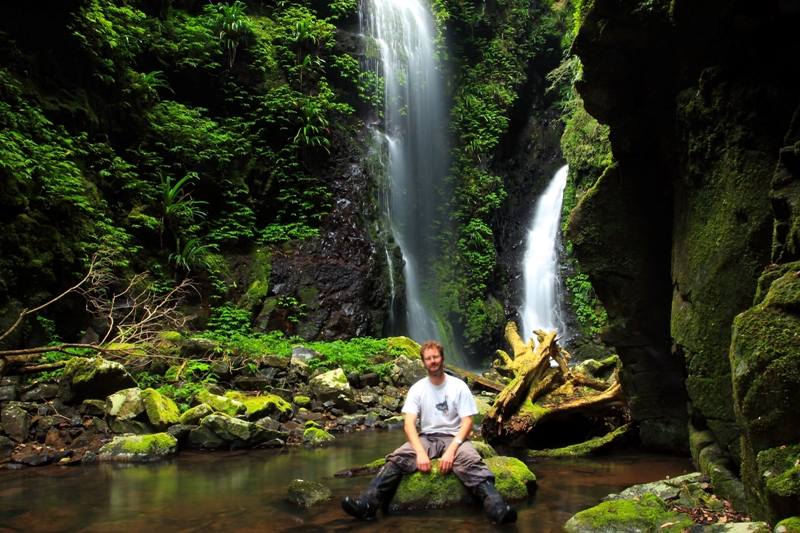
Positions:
{"x": 428, "y": 345}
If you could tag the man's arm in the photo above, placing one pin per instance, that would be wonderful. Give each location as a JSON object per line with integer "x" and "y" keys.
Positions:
{"x": 410, "y": 427}
{"x": 446, "y": 462}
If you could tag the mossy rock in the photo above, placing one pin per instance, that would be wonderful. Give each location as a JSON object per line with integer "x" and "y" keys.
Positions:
{"x": 513, "y": 480}
{"x": 301, "y": 401}
{"x": 307, "y": 493}
{"x": 92, "y": 379}
{"x": 221, "y": 404}
{"x": 139, "y": 448}
{"x": 789, "y": 525}
{"x": 173, "y": 338}
{"x": 649, "y": 514}
{"x": 409, "y": 346}
{"x": 484, "y": 450}
{"x": 483, "y": 410}
{"x": 161, "y": 410}
{"x": 193, "y": 416}
{"x": 257, "y": 407}
{"x": 317, "y": 437}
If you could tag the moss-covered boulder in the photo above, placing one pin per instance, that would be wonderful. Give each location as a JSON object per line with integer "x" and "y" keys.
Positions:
{"x": 513, "y": 480}
{"x": 315, "y": 436}
{"x": 789, "y": 525}
{"x": 257, "y": 407}
{"x": 330, "y": 385}
{"x": 139, "y": 448}
{"x": 307, "y": 493}
{"x": 161, "y": 410}
{"x": 222, "y": 431}
{"x": 649, "y": 514}
{"x": 408, "y": 370}
{"x": 221, "y": 404}
{"x": 125, "y": 404}
{"x": 193, "y": 416}
{"x": 765, "y": 364}
{"x": 409, "y": 347}
{"x": 483, "y": 409}
{"x": 92, "y": 379}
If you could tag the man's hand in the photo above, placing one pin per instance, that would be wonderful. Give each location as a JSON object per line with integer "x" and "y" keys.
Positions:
{"x": 446, "y": 462}
{"x": 423, "y": 462}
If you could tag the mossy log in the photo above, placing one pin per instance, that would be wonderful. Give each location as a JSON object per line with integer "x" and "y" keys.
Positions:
{"x": 540, "y": 391}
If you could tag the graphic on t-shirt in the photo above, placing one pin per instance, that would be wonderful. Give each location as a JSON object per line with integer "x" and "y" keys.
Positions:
{"x": 442, "y": 406}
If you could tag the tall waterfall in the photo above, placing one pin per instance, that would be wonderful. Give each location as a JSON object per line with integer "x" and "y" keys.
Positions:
{"x": 540, "y": 308}
{"x": 415, "y": 116}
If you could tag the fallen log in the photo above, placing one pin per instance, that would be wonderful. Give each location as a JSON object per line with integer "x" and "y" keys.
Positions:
{"x": 544, "y": 388}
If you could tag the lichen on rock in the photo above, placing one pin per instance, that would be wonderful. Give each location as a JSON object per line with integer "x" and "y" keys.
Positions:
{"x": 139, "y": 448}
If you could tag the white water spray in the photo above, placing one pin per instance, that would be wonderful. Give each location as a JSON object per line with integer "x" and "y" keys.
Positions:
{"x": 540, "y": 308}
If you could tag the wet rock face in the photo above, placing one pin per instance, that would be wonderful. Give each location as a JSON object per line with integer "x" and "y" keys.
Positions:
{"x": 333, "y": 286}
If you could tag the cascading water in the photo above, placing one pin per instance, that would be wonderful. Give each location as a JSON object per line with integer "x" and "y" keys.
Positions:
{"x": 540, "y": 308}
{"x": 415, "y": 115}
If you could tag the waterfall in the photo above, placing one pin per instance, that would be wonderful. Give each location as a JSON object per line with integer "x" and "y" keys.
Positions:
{"x": 415, "y": 115}
{"x": 540, "y": 308}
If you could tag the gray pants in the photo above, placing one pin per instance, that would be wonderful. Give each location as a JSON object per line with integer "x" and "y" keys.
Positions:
{"x": 468, "y": 466}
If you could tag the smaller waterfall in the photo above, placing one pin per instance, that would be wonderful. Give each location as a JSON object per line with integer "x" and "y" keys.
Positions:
{"x": 540, "y": 308}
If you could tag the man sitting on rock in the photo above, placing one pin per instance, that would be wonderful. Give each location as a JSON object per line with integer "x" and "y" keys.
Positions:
{"x": 445, "y": 407}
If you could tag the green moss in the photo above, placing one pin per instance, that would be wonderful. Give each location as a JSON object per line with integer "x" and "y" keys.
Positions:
{"x": 301, "y": 401}
{"x": 789, "y": 525}
{"x": 376, "y": 464}
{"x": 409, "y": 347}
{"x": 317, "y": 437}
{"x": 266, "y": 403}
{"x": 584, "y": 448}
{"x": 194, "y": 415}
{"x": 172, "y": 337}
{"x": 161, "y": 410}
{"x": 535, "y": 410}
{"x": 222, "y": 404}
{"x": 780, "y": 467}
{"x": 647, "y": 514}
{"x": 312, "y": 424}
{"x": 147, "y": 443}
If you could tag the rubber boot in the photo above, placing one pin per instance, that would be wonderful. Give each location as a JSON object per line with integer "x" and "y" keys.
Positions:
{"x": 496, "y": 509}
{"x": 366, "y": 506}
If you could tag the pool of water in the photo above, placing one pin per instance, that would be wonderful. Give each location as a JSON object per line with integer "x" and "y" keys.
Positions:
{"x": 243, "y": 491}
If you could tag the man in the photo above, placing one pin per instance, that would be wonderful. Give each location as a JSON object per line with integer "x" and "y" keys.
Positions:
{"x": 445, "y": 407}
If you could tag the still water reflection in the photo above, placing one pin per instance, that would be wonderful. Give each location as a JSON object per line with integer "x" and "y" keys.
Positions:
{"x": 243, "y": 492}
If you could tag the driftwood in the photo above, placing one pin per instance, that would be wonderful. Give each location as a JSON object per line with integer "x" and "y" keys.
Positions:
{"x": 541, "y": 391}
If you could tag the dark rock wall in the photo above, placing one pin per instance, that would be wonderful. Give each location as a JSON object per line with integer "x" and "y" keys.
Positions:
{"x": 699, "y": 98}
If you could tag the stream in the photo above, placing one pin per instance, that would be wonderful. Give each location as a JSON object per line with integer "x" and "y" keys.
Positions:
{"x": 242, "y": 491}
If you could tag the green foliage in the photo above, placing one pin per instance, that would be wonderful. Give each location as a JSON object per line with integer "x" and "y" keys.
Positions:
{"x": 193, "y": 255}
{"x": 227, "y": 321}
{"x": 234, "y": 26}
{"x": 590, "y": 312}
{"x": 355, "y": 355}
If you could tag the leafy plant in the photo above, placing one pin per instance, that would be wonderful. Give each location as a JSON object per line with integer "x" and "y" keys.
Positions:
{"x": 234, "y": 24}
{"x": 193, "y": 255}
{"x": 178, "y": 209}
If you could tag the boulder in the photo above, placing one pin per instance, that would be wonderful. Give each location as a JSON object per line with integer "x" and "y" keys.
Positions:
{"x": 330, "y": 385}
{"x": 483, "y": 409}
{"x": 233, "y": 432}
{"x": 139, "y": 448}
{"x": 513, "y": 480}
{"x": 126, "y": 404}
{"x": 317, "y": 437}
{"x": 92, "y": 408}
{"x": 257, "y": 407}
{"x": 40, "y": 392}
{"x": 298, "y": 371}
{"x": 304, "y": 354}
{"x": 198, "y": 347}
{"x": 193, "y": 416}
{"x": 16, "y": 422}
{"x": 92, "y": 379}
{"x": 8, "y": 393}
{"x": 221, "y": 404}
{"x": 205, "y": 438}
{"x": 6, "y": 448}
{"x": 307, "y": 493}
{"x": 406, "y": 372}
{"x": 161, "y": 410}
{"x": 408, "y": 346}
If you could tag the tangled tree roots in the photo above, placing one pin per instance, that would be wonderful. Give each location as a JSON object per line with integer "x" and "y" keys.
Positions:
{"x": 541, "y": 392}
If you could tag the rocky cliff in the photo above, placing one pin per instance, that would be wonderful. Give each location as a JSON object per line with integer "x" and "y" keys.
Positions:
{"x": 699, "y": 206}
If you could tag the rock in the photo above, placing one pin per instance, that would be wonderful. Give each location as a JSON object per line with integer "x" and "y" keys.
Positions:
{"x": 257, "y": 407}
{"x": 789, "y": 525}
{"x": 350, "y": 421}
{"x": 317, "y": 437}
{"x": 92, "y": 408}
{"x": 346, "y": 404}
{"x": 125, "y": 405}
{"x": 251, "y": 383}
{"x": 330, "y": 385}
{"x": 205, "y": 438}
{"x": 408, "y": 346}
{"x": 370, "y": 379}
{"x": 193, "y": 416}
{"x": 304, "y": 354}
{"x": 139, "y": 448}
{"x": 514, "y": 481}
{"x": 236, "y": 432}
{"x": 307, "y": 493}
{"x": 389, "y": 403}
{"x": 304, "y": 415}
{"x": 16, "y": 423}
{"x": 161, "y": 410}
{"x": 6, "y": 447}
{"x": 484, "y": 449}
{"x": 137, "y": 427}
{"x": 299, "y": 371}
{"x": 664, "y": 489}
{"x": 92, "y": 379}
{"x": 483, "y": 410}
{"x": 301, "y": 401}
{"x": 40, "y": 392}
{"x": 221, "y": 404}
{"x": 407, "y": 371}
{"x": 198, "y": 347}
{"x": 395, "y": 422}
{"x": 181, "y": 432}
{"x": 8, "y": 393}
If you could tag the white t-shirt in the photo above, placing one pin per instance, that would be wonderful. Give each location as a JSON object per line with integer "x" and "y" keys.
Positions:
{"x": 440, "y": 408}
